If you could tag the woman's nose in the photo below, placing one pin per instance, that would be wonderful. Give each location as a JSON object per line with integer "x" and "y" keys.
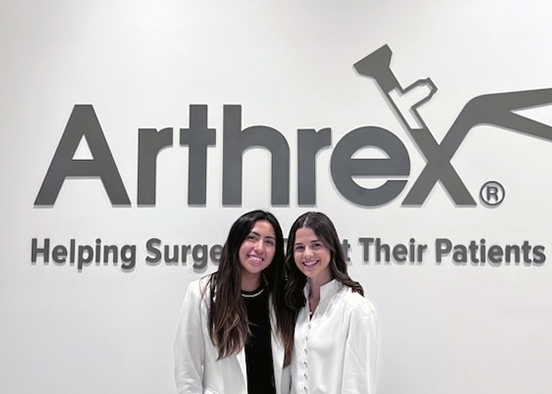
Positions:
{"x": 259, "y": 245}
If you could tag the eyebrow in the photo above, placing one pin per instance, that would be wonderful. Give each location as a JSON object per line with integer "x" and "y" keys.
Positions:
{"x": 266, "y": 236}
{"x": 309, "y": 242}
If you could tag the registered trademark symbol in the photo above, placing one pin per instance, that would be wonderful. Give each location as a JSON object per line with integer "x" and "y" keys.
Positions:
{"x": 492, "y": 193}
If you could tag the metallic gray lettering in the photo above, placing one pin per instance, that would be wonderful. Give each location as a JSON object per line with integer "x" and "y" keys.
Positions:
{"x": 83, "y": 123}
{"x": 150, "y": 143}
{"x": 344, "y": 167}
{"x": 236, "y": 141}
{"x": 309, "y": 143}
{"x": 198, "y": 137}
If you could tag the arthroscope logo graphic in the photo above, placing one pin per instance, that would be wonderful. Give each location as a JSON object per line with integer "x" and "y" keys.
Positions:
{"x": 493, "y": 109}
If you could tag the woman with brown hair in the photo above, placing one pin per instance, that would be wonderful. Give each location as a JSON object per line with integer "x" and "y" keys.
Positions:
{"x": 330, "y": 330}
{"x": 227, "y": 339}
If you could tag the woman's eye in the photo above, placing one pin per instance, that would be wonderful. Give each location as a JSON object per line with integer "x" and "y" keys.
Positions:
{"x": 270, "y": 242}
{"x": 299, "y": 248}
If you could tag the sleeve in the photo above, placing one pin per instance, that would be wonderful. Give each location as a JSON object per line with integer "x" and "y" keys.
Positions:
{"x": 359, "y": 366}
{"x": 189, "y": 345}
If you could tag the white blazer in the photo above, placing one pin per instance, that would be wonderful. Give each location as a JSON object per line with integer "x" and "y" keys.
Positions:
{"x": 197, "y": 370}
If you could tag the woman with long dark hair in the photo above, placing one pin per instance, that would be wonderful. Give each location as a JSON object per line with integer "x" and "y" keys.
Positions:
{"x": 330, "y": 330}
{"x": 227, "y": 340}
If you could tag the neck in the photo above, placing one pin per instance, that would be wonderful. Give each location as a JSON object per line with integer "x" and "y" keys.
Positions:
{"x": 250, "y": 282}
{"x": 314, "y": 294}
{"x": 318, "y": 281}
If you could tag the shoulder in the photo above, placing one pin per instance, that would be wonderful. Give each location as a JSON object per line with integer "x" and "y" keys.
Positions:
{"x": 356, "y": 304}
{"x": 197, "y": 288}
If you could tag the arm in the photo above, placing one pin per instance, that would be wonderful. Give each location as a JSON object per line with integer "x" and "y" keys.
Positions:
{"x": 359, "y": 366}
{"x": 188, "y": 345}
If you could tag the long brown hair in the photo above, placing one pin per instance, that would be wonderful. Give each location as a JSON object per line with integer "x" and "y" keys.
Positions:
{"x": 294, "y": 298}
{"x": 228, "y": 322}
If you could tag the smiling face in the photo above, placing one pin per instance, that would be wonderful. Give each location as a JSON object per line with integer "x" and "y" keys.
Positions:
{"x": 256, "y": 253}
{"x": 312, "y": 256}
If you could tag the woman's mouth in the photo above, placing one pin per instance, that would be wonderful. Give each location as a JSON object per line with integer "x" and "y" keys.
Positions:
{"x": 310, "y": 263}
{"x": 255, "y": 259}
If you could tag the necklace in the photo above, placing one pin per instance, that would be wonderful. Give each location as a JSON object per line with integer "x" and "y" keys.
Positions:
{"x": 253, "y": 294}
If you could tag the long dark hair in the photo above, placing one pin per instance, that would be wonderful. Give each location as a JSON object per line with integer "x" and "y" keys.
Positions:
{"x": 228, "y": 322}
{"x": 294, "y": 298}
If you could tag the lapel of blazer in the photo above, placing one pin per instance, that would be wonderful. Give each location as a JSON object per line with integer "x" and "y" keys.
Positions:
{"x": 277, "y": 349}
{"x": 240, "y": 358}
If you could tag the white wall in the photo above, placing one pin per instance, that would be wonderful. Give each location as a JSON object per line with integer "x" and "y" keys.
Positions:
{"x": 445, "y": 328}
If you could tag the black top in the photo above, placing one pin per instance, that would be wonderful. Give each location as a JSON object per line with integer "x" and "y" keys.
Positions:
{"x": 258, "y": 350}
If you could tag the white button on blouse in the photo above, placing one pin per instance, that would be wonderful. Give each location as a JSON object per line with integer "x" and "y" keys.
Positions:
{"x": 335, "y": 351}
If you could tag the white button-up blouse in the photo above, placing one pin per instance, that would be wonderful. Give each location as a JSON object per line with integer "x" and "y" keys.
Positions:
{"x": 335, "y": 351}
